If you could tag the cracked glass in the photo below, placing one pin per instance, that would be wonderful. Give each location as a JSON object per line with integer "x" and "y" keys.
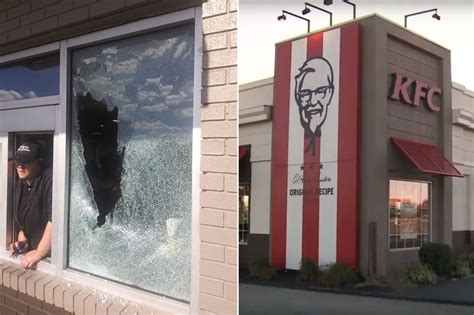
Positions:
{"x": 130, "y": 175}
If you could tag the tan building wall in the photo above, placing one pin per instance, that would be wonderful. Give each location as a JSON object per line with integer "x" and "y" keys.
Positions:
{"x": 218, "y": 280}
{"x": 463, "y": 158}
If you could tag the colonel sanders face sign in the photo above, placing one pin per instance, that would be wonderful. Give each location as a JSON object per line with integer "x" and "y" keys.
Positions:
{"x": 313, "y": 93}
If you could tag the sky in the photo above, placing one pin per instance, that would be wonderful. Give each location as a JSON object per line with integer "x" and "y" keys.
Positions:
{"x": 259, "y": 29}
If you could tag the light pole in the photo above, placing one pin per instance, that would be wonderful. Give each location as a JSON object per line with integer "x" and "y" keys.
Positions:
{"x": 434, "y": 16}
{"x": 283, "y": 18}
{"x": 307, "y": 10}
{"x": 329, "y": 2}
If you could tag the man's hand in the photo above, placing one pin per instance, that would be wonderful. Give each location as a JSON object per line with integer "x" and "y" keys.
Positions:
{"x": 31, "y": 259}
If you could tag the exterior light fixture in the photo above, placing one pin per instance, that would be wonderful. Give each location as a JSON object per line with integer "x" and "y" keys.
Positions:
{"x": 307, "y": 10}
{"x": 434, "y": 16}
{"x": 329, "y": 2}
{"x": 283, "y": 17}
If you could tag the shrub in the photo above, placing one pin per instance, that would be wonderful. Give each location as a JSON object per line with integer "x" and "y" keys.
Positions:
{"x": 461, "y": 268}
{"x": 309, "y": 271}
{"x": 261, "y": 269}
{"x": 339, "y": 275}
{"x": 437, "y": 256}
{"x": 469, "y": 257}
{"x": 419, "y": 274}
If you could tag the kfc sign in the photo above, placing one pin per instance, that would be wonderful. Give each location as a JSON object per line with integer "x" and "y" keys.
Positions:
{"x": 315, "y": 159}
{"x": 411, "y": 92}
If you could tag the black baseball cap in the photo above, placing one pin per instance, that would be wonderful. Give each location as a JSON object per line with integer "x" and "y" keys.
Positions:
{"x": 27, "y": 152}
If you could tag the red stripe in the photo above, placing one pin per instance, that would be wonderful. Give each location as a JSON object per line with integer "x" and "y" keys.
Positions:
{"x": 348, "y": 146}
{"x": 310, "y": 246}
{"x": 280, "y": 154}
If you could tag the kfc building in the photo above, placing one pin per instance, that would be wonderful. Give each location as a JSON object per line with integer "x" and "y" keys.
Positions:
{"x": 347, "y": 153}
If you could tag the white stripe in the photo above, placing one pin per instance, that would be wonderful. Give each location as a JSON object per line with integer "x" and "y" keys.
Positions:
{"x": 294, "y": 214}
{"x": 329, "y": 156}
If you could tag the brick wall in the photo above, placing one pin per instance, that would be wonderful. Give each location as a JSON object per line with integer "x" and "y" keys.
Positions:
{"x": 36, "y": 293}
{"x": 408, "y": 60}
{"x": 218, "y": 266}
{"x": 30, "y": 23}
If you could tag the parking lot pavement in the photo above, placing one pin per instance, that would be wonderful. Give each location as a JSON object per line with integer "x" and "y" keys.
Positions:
{"x": 255, "y": 299}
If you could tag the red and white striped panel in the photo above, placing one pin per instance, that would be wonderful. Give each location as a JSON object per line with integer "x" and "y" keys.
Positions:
{"x": 322, "y": 222}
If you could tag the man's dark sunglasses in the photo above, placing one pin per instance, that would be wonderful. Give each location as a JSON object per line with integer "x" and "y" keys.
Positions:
{"x": 23, "y": 163}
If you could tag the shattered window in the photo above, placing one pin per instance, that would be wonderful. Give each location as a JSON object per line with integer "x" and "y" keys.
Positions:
{"x": 31, "y": 78}
{"x": 130, "y": 180}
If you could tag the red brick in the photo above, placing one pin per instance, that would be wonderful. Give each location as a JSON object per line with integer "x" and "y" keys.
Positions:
{"x": 5, "y": 310}
{"x": 105, "y": 6}
{"x": 32, "y": 17}
{"x": 58, "y": 8}
{"x": 3, "y": 16}
{"x": 8, "y": 292}
{"x": 55, "y": 310}
{"x": 74, "y": 16}
{"x": 15, "y": 304}
{"x": 37, "y": 4}
{"x": 44, "y": 25}
{"x": 22, "y": 297}
{"x": 9, "y": 25}
{"x": 81, "y": 3}
{"x": 36, "y": 311}
{"x": 19, "y": 33}
{"x": 7, "y": 4}
{"x": 19, "y": 10}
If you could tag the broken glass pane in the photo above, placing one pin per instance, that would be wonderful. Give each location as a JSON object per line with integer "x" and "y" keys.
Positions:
{"x": 130, "y": 190}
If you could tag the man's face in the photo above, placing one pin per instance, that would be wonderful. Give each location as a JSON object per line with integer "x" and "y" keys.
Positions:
{"x": 314, "y": 96}
{"x": 27, "y": 170}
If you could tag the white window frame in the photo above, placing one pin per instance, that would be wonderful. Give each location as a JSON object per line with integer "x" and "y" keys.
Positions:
{"x": 61, "y": 159}
{"x": 430, "y": 190}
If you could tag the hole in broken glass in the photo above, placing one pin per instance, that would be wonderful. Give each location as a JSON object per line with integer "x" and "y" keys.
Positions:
{"x": 98, "y": 128}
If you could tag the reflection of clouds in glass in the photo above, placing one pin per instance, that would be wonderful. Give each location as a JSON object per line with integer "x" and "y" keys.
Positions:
{"x": 123, "y": 67}
{"x": 155, "y": 108}
{"x": 186, "y": 113}
{"x": 154, "y": 126}
{"x": 176, "y": 99}
{"x": 100, "y": 82}
{"x": 147, "y": 95}
{"x": 30, "y": 94}
{"x": 186, "y": 55}
{"x": 128, "y": 108}
{"x": 155, "y": 53}
{"x": 165, "y": 89}
{"x": 89, "y": 60}
{"x": 110, "y": 51}
{"x": 179, "y": 50}
{"x": 155, "y": 81}
{"x": 11, "y": 95}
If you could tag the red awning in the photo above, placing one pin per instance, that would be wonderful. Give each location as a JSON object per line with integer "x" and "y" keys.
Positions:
{"x": 242, "y": 152}
{"x": 426, "y": 157}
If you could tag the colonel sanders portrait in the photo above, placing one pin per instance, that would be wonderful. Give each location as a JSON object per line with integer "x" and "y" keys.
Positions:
{"x": 313, "y": 93}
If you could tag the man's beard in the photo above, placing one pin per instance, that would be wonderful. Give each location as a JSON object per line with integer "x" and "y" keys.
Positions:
{"x": 312, "y": 120}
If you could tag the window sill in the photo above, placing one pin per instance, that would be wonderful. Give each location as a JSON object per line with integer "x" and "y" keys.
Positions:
{"x": 46, "y": 291}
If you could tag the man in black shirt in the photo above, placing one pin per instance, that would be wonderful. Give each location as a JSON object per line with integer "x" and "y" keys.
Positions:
{"x": 32, "y": 206}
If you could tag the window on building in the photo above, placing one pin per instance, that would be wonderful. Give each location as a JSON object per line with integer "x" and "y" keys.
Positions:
{"x": 244, "y": 194}
{"x": 45, "y": 142}
{"x": 131, "y": 161}
{"x": 36, "y": 77}
{"x": 410, "y": 214}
